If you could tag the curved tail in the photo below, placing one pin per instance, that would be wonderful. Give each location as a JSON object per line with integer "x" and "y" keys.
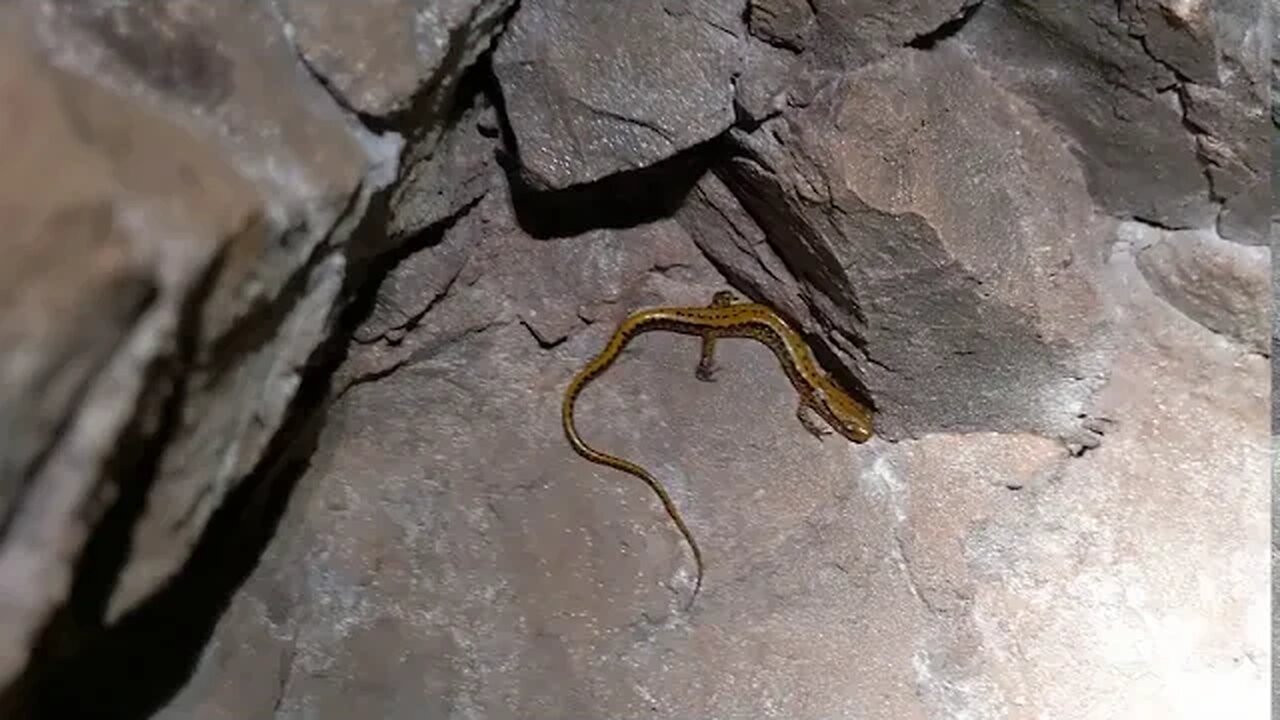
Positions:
{"x": 580, "y": 381}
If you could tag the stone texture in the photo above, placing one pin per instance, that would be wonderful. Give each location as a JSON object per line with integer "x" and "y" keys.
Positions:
{"x": 393, "y": 56}
{"x": 1019, "y": 228}
{"x": 1181, "y": 34}
{"x": 1165, "y": 100}
{"x": 941, "y": 236}
{"x": 772, "y": 80}
{"x": 1231, "y": 137}
{"x": 441, "y": 178}
{"x": 163, "y": 297}
{"x": 784, "y": 23}
{"x": 850, "y": 34}
{"x": 464, "y": 562}
{"x": 590, "y": 91}
{"x": 1117, "y": 102}
{"x": 1222, "y": 285}
{"x": 1173, "y": 476}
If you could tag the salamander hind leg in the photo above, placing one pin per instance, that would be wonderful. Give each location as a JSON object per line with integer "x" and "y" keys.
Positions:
{"x": 707, "y": 362}
{"x": 806, "y": 414}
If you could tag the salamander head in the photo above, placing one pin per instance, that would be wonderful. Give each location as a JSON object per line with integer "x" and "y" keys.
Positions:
{"x": 847, "y": 416}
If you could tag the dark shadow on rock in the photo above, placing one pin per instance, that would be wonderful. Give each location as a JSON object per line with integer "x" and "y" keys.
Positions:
{"x": 132, "y": 669}
{"x": 946, "y": 30}
{"x": 621, "y": 200}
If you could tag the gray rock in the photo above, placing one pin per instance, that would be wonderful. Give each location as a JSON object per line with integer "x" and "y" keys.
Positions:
{"x": 447, "y": 553}
{"x": 1080, "y": 66}
{"x": 1180, "y": 35}
{"x": 850, "y": 34}
{"x": 590, "y": 91}
{"x": 1222, "y": 285}
{"x": 393, "y": 56}
{"x": 771, "y": 81}
{"x": 441, "y": 177}
{"x": 162, "y": 296}
{"x": 1164, "y": 100}
{"x": 783, "y": 23}
{"x": 1231, "y": 134}
{"x": 943, "y": 241}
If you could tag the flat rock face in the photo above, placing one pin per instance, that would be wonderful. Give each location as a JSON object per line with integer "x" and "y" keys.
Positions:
{"x": 293, "y": 289}
{"x": 1136, "y": 87}
{"x": 590, "y": 91}
{"x": 178, "y": 190}
{"x": 454, "y": 557}
{"x": 393, "y": 56}
{"x": 1222, "y": 285}
{"x": 940, "y": 228}
{"x": 850, "y": 34}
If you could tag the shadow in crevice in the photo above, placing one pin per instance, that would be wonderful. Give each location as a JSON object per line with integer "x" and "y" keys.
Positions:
{"x": 624, "y": 200}
{"x": 133, "y": 668}
{"x": 129, "y": 670}
{"x": 50, "y": 684}
{"x": 82, "y": 668}
{"x": 620, "y": 200}
{"x": 945, "y": 31}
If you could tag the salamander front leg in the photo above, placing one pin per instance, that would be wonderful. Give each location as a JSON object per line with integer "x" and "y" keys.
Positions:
{"x": 707, "y": 362}
{"x": 706, "y": 370}
{"x": 805, "y": 412}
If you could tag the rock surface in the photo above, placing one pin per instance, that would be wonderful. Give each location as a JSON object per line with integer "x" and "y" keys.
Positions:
{"x": 283, "y": 347}
{"x": 941, "y": 231}
{"x": 441, "y": 178}
{"x": 850, "y": 34}
{"x": 590, "y": 91}
{"x": 163, "y": 296}
{"x": 393, "y": 56}
{"x": 455, "y": 558}
{"x": 1222, "y": 285}
{"x": 1126, "y": 84}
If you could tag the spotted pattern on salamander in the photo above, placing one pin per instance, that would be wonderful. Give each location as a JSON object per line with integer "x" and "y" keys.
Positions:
{"x": 723, "y": 318}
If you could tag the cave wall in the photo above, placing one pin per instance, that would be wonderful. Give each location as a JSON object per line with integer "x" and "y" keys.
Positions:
{"x": 294, "y": 289}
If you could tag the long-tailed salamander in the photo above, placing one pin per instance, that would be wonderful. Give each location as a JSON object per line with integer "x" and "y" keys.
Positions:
{"x": 723, "y": 318}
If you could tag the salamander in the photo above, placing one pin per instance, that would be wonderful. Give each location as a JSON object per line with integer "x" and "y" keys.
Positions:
{"x": 722, "y": 318}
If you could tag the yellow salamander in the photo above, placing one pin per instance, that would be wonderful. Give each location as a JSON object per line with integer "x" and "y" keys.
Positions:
{"x": 723, "y": 318}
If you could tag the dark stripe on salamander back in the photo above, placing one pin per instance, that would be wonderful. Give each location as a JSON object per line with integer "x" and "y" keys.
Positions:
{"x": 771, "y": 338}
{"x": 632, "y": 326}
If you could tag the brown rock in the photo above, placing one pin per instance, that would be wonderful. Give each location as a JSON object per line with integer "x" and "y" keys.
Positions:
{"x": 1222, "y": 285}
{"x": 167, "y": 290}
{"x": 940, "y": 231}
{"x": 924, "y": 187}
{"x": 785, "y": 23}
{"x": 1116, "y": 102}
{"x": 850, "y": 34}
{"x": 462, "y": 559}
{"x": 393, "y": 55}
{"x": 590, "y": 91}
